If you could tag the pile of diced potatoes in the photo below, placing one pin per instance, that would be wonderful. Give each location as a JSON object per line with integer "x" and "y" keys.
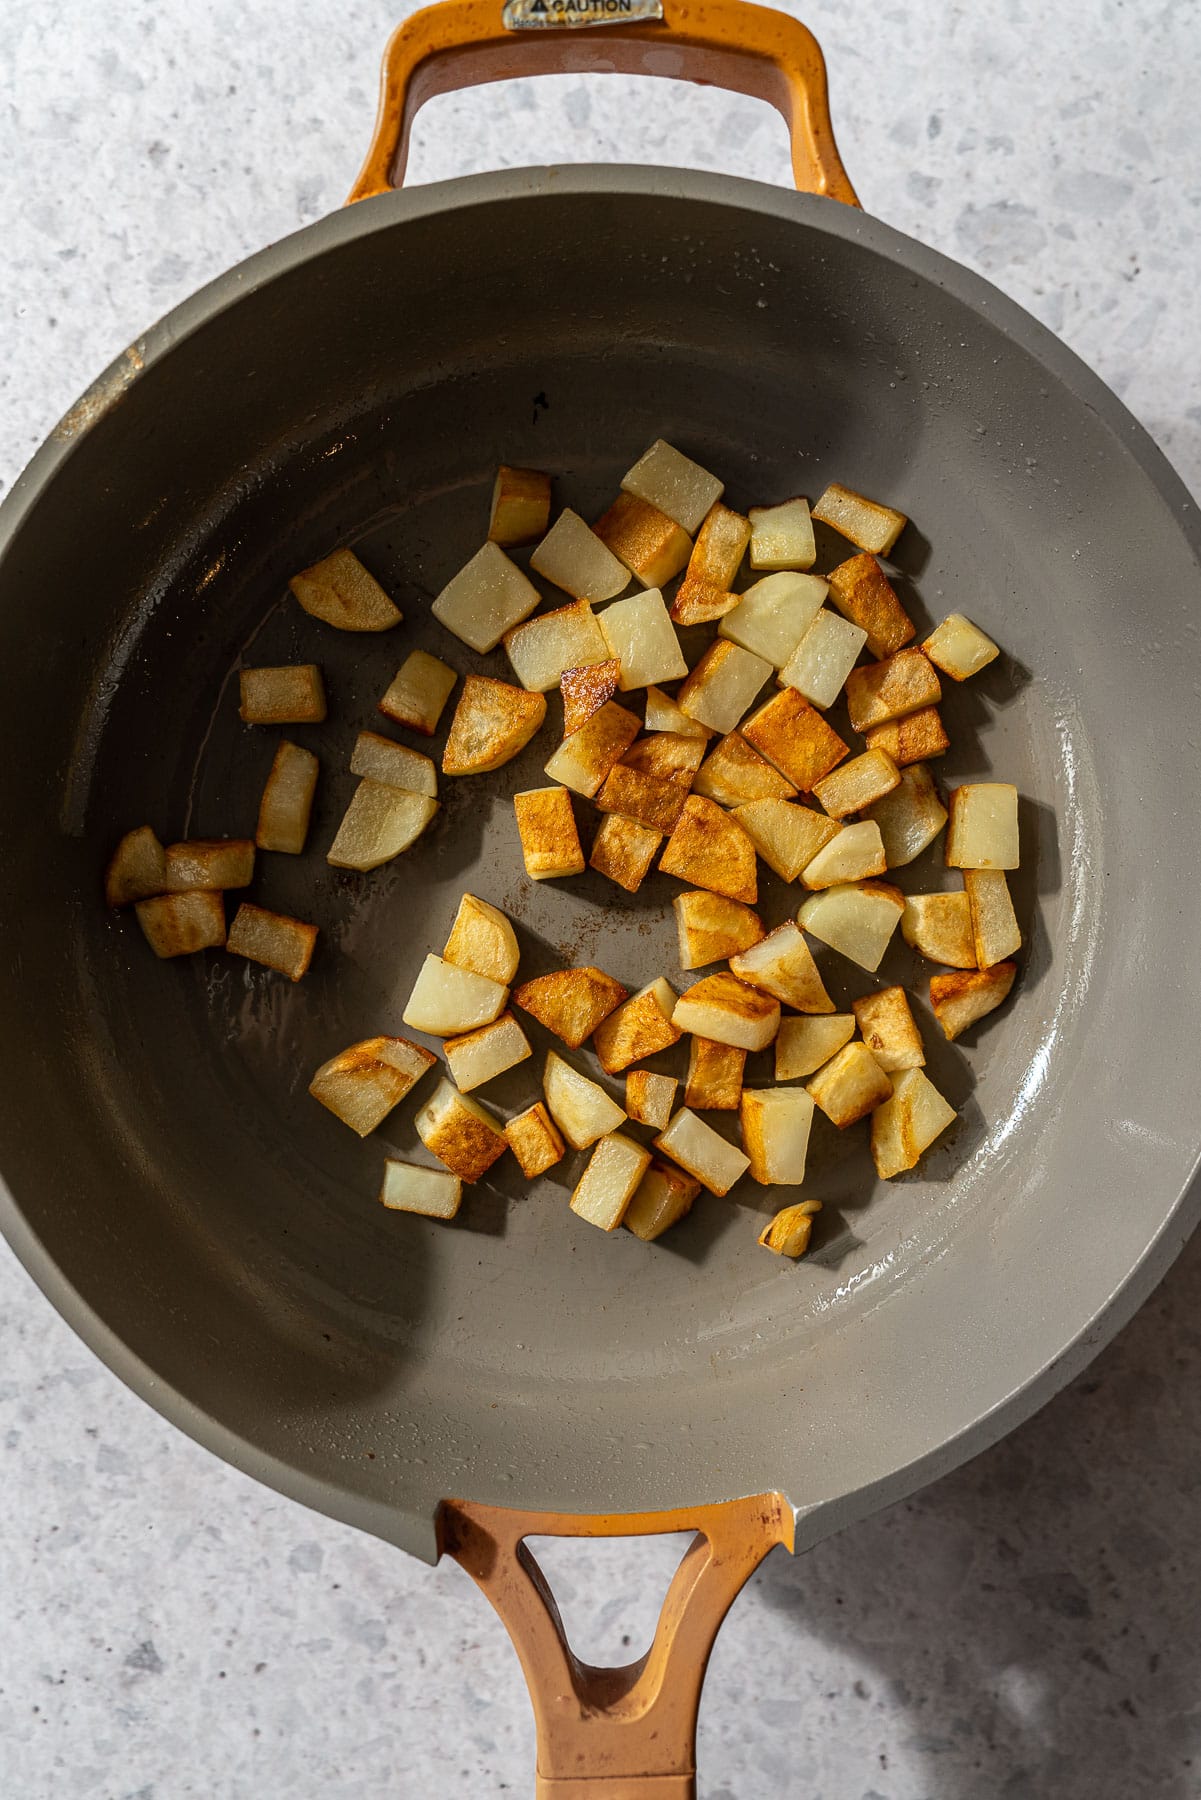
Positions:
{"x": 714, "y": 784}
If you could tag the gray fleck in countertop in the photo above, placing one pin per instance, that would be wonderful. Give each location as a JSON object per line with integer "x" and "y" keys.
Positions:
{"x": 1025, "y": 1628}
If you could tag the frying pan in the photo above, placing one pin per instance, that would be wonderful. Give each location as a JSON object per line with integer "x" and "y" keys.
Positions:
{"x": 211, "y": 1233}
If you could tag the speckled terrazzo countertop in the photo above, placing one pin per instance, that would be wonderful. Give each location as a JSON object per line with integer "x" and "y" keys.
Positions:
{"x": 1027, "y": 1627}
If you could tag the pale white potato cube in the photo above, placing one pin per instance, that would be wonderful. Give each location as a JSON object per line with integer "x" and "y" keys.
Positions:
{"x": 209, "y": 863}
{"x": 520, "y": 506}
{"x": 550, "y": 838}
{"x": 959, "y": 648}
{"x": 434, "y": 1193}
{"x": 341, "y": 592}
{"x": 711, "y": 928}
{"x": 487, "y": 598}
{"x": 137, "y": 869}
{"x": 480, "y": 1056}
{"x": 858, "y": 783}
{"x": 460, "y": 1132}
{"x": 662, "y": 714}
{"x": 606, "y": 1187}
{"x": 483, "y": 940}
{"x": 856, "y": 854}
{"x": 787, "y": 835}
{"x": 723, "y": 684}
{"x": 857, "y": 920}
{"x": 382, "y": 759}
{"x": 782, "y": 964}
{"x": 663, "y": 1196}
{"x": 849, "y": 1086}
{"x": 674, "y": 483}
{"x": 574, "y": 559}
{"x": 580, "y": 1108}
{"x": 363, "y": 1083}
{"x": 179, "y": 924}
{"x": 447, "y": 1001}
{"x": 775, "y": 1133}
{"x": 824, "y": 658}
{"x": 273, "y": 939}
{"x": 379, "y": 823}
{"x": 782, "y": 536}
{"x": 806, "y": 1043}
{"x": 287, "y": 803}
{"x": 995, "y": 930}
{"x": 940, "y": 926}
{"x": 292, "y": 695}
{"x": 910, "y": 817}
{"x": 640, "y": 634}
{"x": 729, "y": 1011}
{"x": 584, "y": 759}
{"x": 907, "y": 1123}
{"x": 773, "y": 616}
{"x": 418, "y": 692}
{"x": 650, "y": 1097}
{"x": 700, "y": 1150}
{"x": 543, "y": 648}
{"x": 983, "y": 830}
{"x": 867, "y": 524}
{"x": 888, "y": 1028}
{"x": 788, "y": 1234}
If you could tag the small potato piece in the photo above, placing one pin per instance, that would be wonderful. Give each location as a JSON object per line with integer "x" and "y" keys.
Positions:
{"x": 584, "y": 759}
{"x": 460, "y": 1132}
{"x": 666, "y": 478}
{"x": 650, "y": 1097}
{"x": 653, "y": 800}
{"x": 520, "y": 506}
{"x": 857, "y": 919}
{"x": 823, "y": 660}
{"x": 574, "y": 559}
{"x": 714, "y": 1076}
{"x": 863, "y": 594}
{"x": 381, "y": 758}
{"x": 888, "y": 690}
{"x": 775, "y": 1133}
{"x": 794, "y": 736}
{"x": 482, "y": 940}
{"x": 209, "y": 863}
{"x": 379, "y": 823}
{"x": 773, "y": 616}
{"x": 734, "y": 774}
{"x": 340, "y": 591}
{"x": 542, "y": 648}
{"x": 662, "y": 714}
{"x": 661, "y": 1199}
{"x": 652, "y": 546}
{"x": 855, "y": 854}
{"x": 910, "y": 817}
{"x": 447, "y": 1001}
{"x": 487, "y": 598}
{"x": 640, "y": 1028}
{"x": 273, "y": 939}
{"x": 959, "y": 648}
{"x": 363, "y": 1083}
{"x": 418, "y": 692}
{"x": 888, "y": 1028}
{"x": 699, "y": 602}
{"x": 908, "y": 1122}
{"x": 915, "y": 738}
{"x": 493, "y": 722}
{"x": 137, "y": 869}
{"x": 550, "y": 842}
{"x": 570, "y": 1002}
{"x": 584, "y": 691}
{"x": 995, "y": 930}
{"x": 983, "y": 832}
{"x": 667, "y": 753}
{"x": 580, "y": 1108}
{"x": 287, "y": 803}
{"x": 434, "y": 1193}
{"x": 699, "y": 1149}
{"x": 864, "y": 522}
{"x": 805, "y": 1044}
{"x": 711, "y": 928}
{"x": 729, "y": 1011}
{"x": 711, "y": 850}
{"x": 858, "y": 783}
{"x": 607, "y": 1186}
{"x": 294, "y": 695}
{"x": 782, "y": 536}
{"x": 720, "y": 546}
{"x": 850, "y": 1086}
{"x": 179, "y": 924}
{"x": 957, "y": 1001}
{"x": 641, "y": 636}
{"x": 624, "y": 851}
{"x": 535, "y": 1141}
{"x": 480, "y": 1056}
{"x": 722, "y": 685}
{"x": 787, "y": 836}
{"x": 789, "y": 1232}
{"x": 940, "y": 926}
{"x": 782, "y": 965}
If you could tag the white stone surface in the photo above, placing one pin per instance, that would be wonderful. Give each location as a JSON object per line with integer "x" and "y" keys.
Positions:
{"x": 1025, "y": 1628}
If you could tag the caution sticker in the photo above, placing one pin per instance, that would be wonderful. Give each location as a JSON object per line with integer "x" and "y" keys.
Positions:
{"x": 534, "y": 15}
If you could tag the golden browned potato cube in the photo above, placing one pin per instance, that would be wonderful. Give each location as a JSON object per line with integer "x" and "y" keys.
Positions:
{"x": 788, "y": 1234}
{"x": 179, "y": 924}
{"x": 447, "y": 1000}
{"x": 535, "y": 1141}
{"x": 958, "y": 1000}
{"x": 408, "y": 1187}
{"x": 794, "y": 736}
{"x": 584, "y": 759}
{"x": 640, "y": 634}
{"x": 654, "y": 800}
{"x": 786, "y": 835}
{"x": 863, "y": 594}
{"x": 850, "y": 1086}
{"x": 714, "y": 1076}
{"x": 662, "y": 714}
{"x": 137, "y": 868}
{"x": 650, "y": 1097}
{"x": 959, "y": 648}
{"x": 865, "y": 522}
{"x": 782, "y": 536}
{"x": 363, "y": 1083}
{"x": 720, "y": 546}
{"x": 606, "y": 1187}
{"x": 550, "y": 842}
{"x": 482, "y": 939}
{"x": 670, "y": 754}
{"x": 574, "y": 559}
{"x": 711, "y": 928}
{"x": 888, "y": 1028}
{"x": 580, "y": 1108}
{"x": 699, "y": 602}
{"x": 379, "y": 758}
{"x": 805, "y": 1044}
{"x": 775, "y": 1133}
{"x": 542, "y": 648}
{"x": 995, "y": 930}
{"x": 520, "y": 506}
{"x": 782, "y": 965}
{"x": 911, "y": 817}
{"x": 774, "y": 614}
{"x": 729, "y": 1011}
{"x": 341, "y": 592}
{"x": 888, "y": 690}
{"x": 711, "y": 850}
{"x": 652, "y": 546}
{"x": 857, "y": 919}
{"x": 584, "y": 691}
{"x": 734, "y": 774}
{"x": 460, "y": 1132}
{"x": 940, "y": 926}
{"x": 668, "y": 479}
{"x": 624, "y": 851}
{"x": 855, "y": 854}
{"x": 488, "y": 597}
{"x": 294, "y": 695}
{"x": 481, "y": 1055}
{"x": 209, "y": 863}
{"x": 663, "y": 1196}
{"x": 722, "y": 685}
{"x": 493, "y": 722}
{"x": 983, "y": 832}
{"x": 379, "y": 823}
{"x": 703, "y": 1152}
{"x": 273, "y": 939}
{"x": 287, "y": 802}
{"x": 913, "y": 739}
{"x": 907, "y": 1123}
{"x": 858, "y": 783}
{"x": 570, "y": 1002}
{"x": 418, "y": 692}
{"x": 823, "y": 660}
{"x": 638, "y": 1029}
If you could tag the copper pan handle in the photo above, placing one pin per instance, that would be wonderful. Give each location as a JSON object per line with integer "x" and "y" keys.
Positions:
{"x": 723, "y": 43}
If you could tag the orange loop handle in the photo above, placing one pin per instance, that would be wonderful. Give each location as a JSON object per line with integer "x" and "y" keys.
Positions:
{"x": 722, "y": 43}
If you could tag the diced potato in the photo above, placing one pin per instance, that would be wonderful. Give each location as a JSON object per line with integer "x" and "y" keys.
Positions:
{"x": 806, "y": 1043}
{"x": 915, "y": 738}
{"x": 606, "y": 1187}
{"x": 714, "y": 1076}
{"x": 571, "y": 1002}
{"x": 888, "y": 690}
{"x": 958, "y": 1000}
{"x": 720, "y": 546}
{"x": 856, "y": 919}
{"x": 782, "y": 965}
{"x": 652, "y": 546}
{"x": 574, "y": 559}
{"x": 480, "y": 1056}
{"x": 294, "y": 695}
{"x": 209, "y": 863}
{"x": 584, "y": 691}
{"x": 379, "y": 823}
{"x": 858, "y": 783}
{"x": 773, "y": 616}
{"x": 959, "y": 648}
{"x": 137, "y": 869}
{"x": 855, "y": 854}
{"x": 866, "y": 523}
{"x": 849, "y": 1086}
{"x": 722, "y": 685}
{"x": 662, "y": 714}
{"x": 520, "y": 506}
{"x": 699, "y": 1149}
{"x": 667, "y": 753}
{"x": 824, "y": 658}
{"x": 775, "y": 1133}
{"x": 983, "y": 832}
{"x": 712, "y": 850}
{"x": 418, "y": 692}
{"x": 653, "y": 800}
{"x": 940, "y": 926}
{"x": 493, "y": 722}
{"x": 382, "y": 759}
{"x": 542, "y": 648}
{"x": 584, "y": 759}
{"x": 711, "y": 928}
{"x": 729, "y": 1011}
{"x": 434, "y": 1193}
{"x": 550, "y": 841}
{"x": 340, "y": 591}
{"x": 179, "y": 924}
{"x": 888, "y": 1028}
{"x": 787, "y": 836}
{"x": 794, "y": 736}
{"x": 668, "y": 479}
{"x": 699, "y": 602}
{"x": 661, "y": 1199}
{"x": 789, "y": 1232}
{"x": 487, "y": 598}
{"x": 908, "y": 1122}
{"x": 995, "y": 930}
{"x": 911, "y": 817}
{"x": 447, "y": 1001}
{"x": 482, "y": 940}
{"x": 641, "y": 636}
{"x": 580, "y": 1108}
{"x": 535, "y": 1141}
{"x": 782, "y": 536}
{"x": 734, "y": 774}
{"x": 624, "y": 851}
{"x": 287, "y": 802}
{"x": 460, "y": 1132}
{"x": 273, "y": 939}
{"x": 650, "y": 1097}
{"x": 863, "y": 594}
{"x": 363, "y": 1083}
{"x": 638, "y": 1029}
